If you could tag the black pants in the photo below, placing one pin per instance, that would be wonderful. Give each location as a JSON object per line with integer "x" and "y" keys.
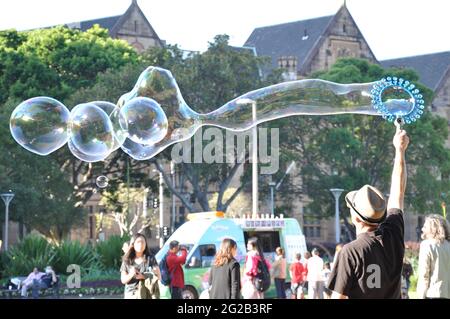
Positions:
{"x": 176, "y": 292}
{"x": 279, "y": 285}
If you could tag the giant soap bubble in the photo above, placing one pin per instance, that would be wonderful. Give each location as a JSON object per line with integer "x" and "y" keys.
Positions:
{"x": 145, "y": 121}
{"x": 91, "y": 130}
{"x": 40, "y": 125}
{"x": 154, "y": 115}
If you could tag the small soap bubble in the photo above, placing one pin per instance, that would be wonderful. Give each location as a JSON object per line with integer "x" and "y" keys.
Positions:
{"x": 102, "y": 181}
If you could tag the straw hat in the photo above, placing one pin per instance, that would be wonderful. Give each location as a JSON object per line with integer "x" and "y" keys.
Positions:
{"x": 369, "y": 203}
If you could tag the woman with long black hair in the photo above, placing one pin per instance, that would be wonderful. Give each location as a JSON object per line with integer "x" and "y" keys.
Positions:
{"x": 138, "y": 264}
{"x": 251, "y": 272}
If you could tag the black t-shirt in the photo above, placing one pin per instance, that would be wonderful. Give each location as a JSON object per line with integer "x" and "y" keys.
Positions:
{"x": 371, "y": 266}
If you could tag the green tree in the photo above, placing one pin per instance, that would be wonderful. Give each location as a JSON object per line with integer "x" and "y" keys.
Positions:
{"x": 54, "y": 62}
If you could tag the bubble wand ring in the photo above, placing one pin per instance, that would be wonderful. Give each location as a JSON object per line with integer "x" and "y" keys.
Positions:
{"x": 387, "y": 111}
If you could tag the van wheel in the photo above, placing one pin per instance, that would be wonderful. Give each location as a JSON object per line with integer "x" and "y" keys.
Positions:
{"x": 189, "y": 292}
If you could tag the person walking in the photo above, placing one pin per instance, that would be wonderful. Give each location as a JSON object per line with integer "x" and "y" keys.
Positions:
{"x": 315, "y": 278}
{"x": 434, "y": 259}
{"x": 225, "y": 276}
{"x": 297, "y": 271}
{"x": 279, "y": 272}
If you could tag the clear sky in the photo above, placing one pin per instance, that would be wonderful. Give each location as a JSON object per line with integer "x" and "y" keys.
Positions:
{"x": 393, "y": 28}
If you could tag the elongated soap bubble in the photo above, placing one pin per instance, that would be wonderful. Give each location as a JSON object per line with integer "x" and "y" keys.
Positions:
{"x": 40, "y": 125}
{"x": 91, "y": 130}
{"x": 146, "y": 122}
{"x": 302, "y": 97}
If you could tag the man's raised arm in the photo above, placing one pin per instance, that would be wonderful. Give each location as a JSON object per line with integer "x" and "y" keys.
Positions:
{"x": 398, "y": 183}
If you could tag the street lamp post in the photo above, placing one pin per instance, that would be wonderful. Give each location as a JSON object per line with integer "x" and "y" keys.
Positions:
{"x": 275, "y": 186}
{"x": 161, "y": 208}
{"x": 254, "y": 156}
{"x": 272, "y": 186}
{"x": 172, "y": 172}
{"x": 7, "y": 198}
{"x": 337, "y": 193}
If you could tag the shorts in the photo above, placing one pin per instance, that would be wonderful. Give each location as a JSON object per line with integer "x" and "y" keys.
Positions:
{"x": 297, "y": 288}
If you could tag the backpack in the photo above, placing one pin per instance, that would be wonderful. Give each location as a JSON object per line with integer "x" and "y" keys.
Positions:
{"x": 262, "y": 280}
{"x": 164, "y": 270}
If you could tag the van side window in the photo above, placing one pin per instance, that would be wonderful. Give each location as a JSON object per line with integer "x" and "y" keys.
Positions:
{"x": 202, "y": 257}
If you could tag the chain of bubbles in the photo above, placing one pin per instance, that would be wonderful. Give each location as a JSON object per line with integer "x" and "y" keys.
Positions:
{"x": 141, "y": 128}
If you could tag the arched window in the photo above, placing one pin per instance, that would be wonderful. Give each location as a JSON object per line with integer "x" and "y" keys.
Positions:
{"x": 138, "y": 46}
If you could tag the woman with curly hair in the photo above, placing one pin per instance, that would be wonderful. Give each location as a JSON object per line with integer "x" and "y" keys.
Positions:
{"x": 434, "y": 259}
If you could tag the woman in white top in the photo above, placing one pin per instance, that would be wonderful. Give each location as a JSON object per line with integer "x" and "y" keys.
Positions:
{"x": 434, "y": 259}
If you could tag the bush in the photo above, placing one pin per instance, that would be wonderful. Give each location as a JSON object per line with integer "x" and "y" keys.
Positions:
{"x": 74, "y": 252}
{"x": 412, "y": 255}
{"x": 101, "y": 275}
{"x": 2, "y": 265}
{"x": 32, "y": 251}
{"x": 109, "y": 252}
{"x": 99, "y": 263}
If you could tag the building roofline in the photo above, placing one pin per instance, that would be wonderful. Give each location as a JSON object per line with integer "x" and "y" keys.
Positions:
{"x": 114, "y": 31}
{"x": 415, "y": 56}
{"x": 292, "y": 22}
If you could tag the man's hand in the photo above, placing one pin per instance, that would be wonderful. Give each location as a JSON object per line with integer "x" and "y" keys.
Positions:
{"x": 401, "y": 139}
